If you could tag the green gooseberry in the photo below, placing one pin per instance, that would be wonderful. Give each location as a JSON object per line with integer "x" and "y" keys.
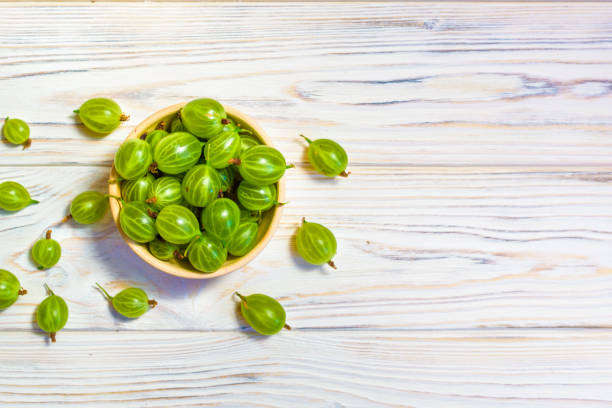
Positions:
{"x": 46, "y": 252}
{"x": 246, "y": 142}
{"x": 17, "y": 132}
{"x": 264, "y": 314}
{"x": 89, "y": 207}
{"x": 130, "y": 302}
{"x": 10, "y": 289}
{"x": 204, "y": 117}
{"x": 164, "y": 191}
{"x": 101, "y": 115}
{"x": 14, "y": 196}
{"x": 177, "y": 125}
{"x": 316, "y": 243}
{"x": 201, "y": 185}
{"x": 221, "y": 218}
{"x": 137, "y": 189}
{"x": 52, "y": 314}
{"x": 163, "y": 250}
{"x": 243, "y": 240}
{"x": 136, "y": 221}
{"x": 257, "y": 198}
{"x": 220, "y": 149}
{"x": 226, "y": 178}
{"x": 327, "y": 157}
{"x": 261, "y": 165}
{"x": 206, "y": 253}
{"x": 154, "y": 136}
{"x": 177, "y": 152}
{"x": 133, "y": 159}
{"x": 177, "y": 224}
{"x": 250, "y": 216}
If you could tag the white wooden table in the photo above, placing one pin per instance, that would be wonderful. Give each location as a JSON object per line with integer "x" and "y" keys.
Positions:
{"x": 475, "y": 233}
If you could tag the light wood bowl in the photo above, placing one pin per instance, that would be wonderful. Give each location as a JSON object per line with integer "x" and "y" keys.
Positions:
{"x": 184, "y": 269}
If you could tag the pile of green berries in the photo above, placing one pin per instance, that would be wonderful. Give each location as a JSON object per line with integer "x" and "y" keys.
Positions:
{"x": 195, "y": 190}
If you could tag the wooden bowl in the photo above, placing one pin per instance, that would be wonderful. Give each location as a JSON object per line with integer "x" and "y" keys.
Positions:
{"x": 184, "y": 269}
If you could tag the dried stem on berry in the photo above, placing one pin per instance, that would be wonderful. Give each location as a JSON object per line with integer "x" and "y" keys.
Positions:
{"x": 124, "y": 117}
{"x": 152, "y": 303}
{"x": 332, "y": 264}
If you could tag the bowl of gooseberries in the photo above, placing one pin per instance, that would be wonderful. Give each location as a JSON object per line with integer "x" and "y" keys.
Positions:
{"x": 196, "y": 189}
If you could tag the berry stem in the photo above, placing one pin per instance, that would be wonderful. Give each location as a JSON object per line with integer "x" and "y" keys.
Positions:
{"x": 106, "y": 295}
{"x": 344, "y": 173}
{"x": 34, "y": 201}
{"x": 152, "y": 303}
{"x": 225, "y": 121}
{"x": 281, "y": 204}
{"x": 286, "y": 326}
{"x": 49, "y": 291}
{"x": 151, "y": 200}
{"x": 304, "y": 220}
{"x": 66, "y": 218}
{"x": 27, "y": 144}
{"x": 153, "y": 168}
{"x": 52, "y": 336}
{"x": 332, "y": 264}
{"x": 160, "y": 126}
{"x": 241, "y": 298}
{"x": 22, "y": 292}
{"x": 48, "y": 235}
{"x": 237, "y": 162}
{"x": 290, "y": 166}
{"x": 307, "y": 139}
{"x": 124, "y": 117}
{"x": 75, "y": 111}
{"x": 177, "y": 254}
{"x": 143, "y": 136}
{"x": 151, "y": 213}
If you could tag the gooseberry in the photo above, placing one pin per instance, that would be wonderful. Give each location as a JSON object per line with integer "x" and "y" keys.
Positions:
{"x": 327, "y": 157}
{"x": 46, "y": 252}
{"x": 177, "y": 224}
{"x": 162, "y": 250}
{"x": 221, "y": 148}
{"x": 257, "y": 198}
{"x": 316, "y": 243}
{"x": 137, "y": 189}
{"x": 177, "y": 152}
{"x": 10, "y": 289}
{"x": 246, "y": 142}
{"x": 52, "y": 314}
{"x": 221, "y": 218}
{"x": 133, "y": 159}
{"x": 17, "y": 132}
{"x": 177, "y": 125}
{"x": 204, "y": 117}
{"x": 14, "y": 196}
{"x": 201, "y": 185}
{"x": 136, "y": 222}
{"x": 101, "y": 115}
{"x": 243, "y": 240}
{"x": 164, "y": 191}
{"x": 264, "y": 314}
{"x": 206, "y": 253}
{"x": 226, "y": 178}
{"x": 154, "y": 136}
{"x": 130, "y": 302}
{"x": 89, "y": 207}
{"x": 261, "y": 165}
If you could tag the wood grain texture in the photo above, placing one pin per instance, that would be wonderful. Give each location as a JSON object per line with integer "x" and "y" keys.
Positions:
{"x": 476, "y": 223}
{"x": 508, "y": 368}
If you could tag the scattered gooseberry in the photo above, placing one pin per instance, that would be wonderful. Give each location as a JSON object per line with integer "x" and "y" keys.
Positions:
{"x": 264, "y": 314}
{"x": 327, "y": 157}
{"x": 10, "y": 289}
{"x": 316, "y": 243}
{"x": 14, "y": 196}
{"x": 17, "y": 132}
{"x": 46, "y": 252}
{"x": 52, "y": 314}
{"x": 130, "y": 302}
{"x": 101, "y": 115}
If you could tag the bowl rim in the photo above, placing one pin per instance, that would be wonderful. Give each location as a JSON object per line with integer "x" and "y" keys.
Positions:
{"x": 173, "y": 268}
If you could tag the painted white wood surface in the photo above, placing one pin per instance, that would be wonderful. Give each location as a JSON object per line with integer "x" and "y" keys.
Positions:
{"x": 477, "y": 218}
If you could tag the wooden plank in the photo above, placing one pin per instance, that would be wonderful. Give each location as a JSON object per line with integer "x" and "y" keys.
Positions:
{"x": 508, "y": 368}
{"x": 429, "y": 247}
{"x": 410, "y": 84}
